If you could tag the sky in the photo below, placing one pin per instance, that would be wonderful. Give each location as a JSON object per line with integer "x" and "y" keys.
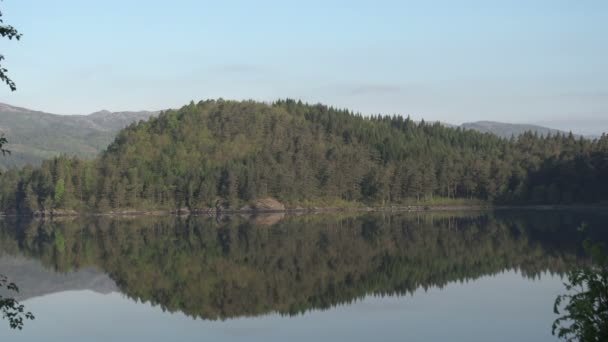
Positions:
{"x": 531, "y": 61}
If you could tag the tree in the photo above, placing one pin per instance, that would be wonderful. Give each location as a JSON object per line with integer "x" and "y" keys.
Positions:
{"x": 10, "y": 308}
{"x": 585, "y": 315}
{"x": 7, "y": 31}
{"x": 3, "y": 141}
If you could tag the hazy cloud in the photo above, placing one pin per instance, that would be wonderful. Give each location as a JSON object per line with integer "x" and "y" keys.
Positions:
{"x": 240, "y": 68}
{"x": 372, "y": 89}
{"x": 93, "y": 72}
{"x": 581, "y": 123}
{"x": 587, "y": 95}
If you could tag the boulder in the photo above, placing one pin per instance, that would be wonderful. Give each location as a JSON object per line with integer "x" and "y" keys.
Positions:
{"x": 268, "y": 204}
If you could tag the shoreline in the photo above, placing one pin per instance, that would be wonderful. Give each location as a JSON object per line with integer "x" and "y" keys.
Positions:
{"x": 299, "y": 210}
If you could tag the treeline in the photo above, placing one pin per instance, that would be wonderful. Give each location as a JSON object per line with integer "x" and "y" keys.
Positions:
{"x": 221, "y": 269}
{"x": 227, "y": 153}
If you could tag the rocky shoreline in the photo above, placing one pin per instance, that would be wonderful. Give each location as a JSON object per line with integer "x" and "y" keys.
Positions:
{"x": 273, "y": 206}
{"x": 56, "y": 213}
{"x": 223, "y": 211}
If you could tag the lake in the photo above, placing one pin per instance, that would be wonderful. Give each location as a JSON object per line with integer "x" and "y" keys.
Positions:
{"x": 434, "y": 276}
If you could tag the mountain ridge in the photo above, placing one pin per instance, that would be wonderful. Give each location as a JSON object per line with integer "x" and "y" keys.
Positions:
{"x": 506, "y": 129}
{"x": 36, "y": 135}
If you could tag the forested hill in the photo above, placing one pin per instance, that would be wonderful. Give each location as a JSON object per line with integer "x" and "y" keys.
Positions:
{"x": 34, "y": 136}
{"x": 229, "y": 154}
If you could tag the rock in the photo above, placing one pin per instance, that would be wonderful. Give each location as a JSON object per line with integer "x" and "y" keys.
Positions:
{"x": 55, "y": 213}
{"x": 181, "y": 211}
{"x": 268, "y": 219}
{"x": 268, "y": 204}
{"x": 246, "y": 208}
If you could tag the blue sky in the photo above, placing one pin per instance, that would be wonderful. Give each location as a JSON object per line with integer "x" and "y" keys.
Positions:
{"x": 543, "y": 61}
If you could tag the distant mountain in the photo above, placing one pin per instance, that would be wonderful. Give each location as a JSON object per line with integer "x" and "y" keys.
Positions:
{"x": 506, "y": 130}
{"x": 116, "y": 121}
{"x": 34, "y": 136}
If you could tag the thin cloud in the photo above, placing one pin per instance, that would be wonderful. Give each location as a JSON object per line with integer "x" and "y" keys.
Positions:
{"x": 599, "y": 94}
{"x": 373, "y": 89}
{"x": 581, "y": 123}
{"x": 240, "y": 68}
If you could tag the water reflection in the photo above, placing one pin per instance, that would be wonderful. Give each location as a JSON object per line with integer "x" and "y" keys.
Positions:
{"x": 231, "y": 267}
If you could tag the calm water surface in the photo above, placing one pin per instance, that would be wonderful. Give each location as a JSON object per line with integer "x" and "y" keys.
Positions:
{"x": 415, "y": 277}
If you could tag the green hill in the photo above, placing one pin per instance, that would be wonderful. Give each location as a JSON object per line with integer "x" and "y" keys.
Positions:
{"x": 231, "y": 154}
{"x": 35, "y": 136}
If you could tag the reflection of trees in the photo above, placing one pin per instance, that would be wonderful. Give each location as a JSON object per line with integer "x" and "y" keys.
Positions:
{"x": 216, "y": 269}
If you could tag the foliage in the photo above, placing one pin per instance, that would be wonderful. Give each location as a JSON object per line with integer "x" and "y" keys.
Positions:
{"x": 3, "y": 142}
{"x": 7, "y": 31}
{"x": 10, "y": 308}
{"x": 585, "y": 315}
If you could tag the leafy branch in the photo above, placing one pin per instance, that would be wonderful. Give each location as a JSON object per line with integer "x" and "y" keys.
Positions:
{"x": 585, "y": 314}
{"x": 10, "y": 307}
{"x": 7, "y": 31}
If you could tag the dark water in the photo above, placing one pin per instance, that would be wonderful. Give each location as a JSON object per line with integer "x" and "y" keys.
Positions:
{"x": 415, "y": 277}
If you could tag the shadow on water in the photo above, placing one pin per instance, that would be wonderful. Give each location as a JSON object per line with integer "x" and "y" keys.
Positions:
{"x": 218, "y": 269}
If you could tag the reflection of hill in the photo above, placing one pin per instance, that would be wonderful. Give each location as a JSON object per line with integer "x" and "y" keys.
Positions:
{"x": 35, "y": 280}
{"x": 218, "y": 270}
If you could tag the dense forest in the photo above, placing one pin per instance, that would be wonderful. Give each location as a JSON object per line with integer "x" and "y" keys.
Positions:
{"x": 216, "y": 269}
{"x": 228, "y": 154}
